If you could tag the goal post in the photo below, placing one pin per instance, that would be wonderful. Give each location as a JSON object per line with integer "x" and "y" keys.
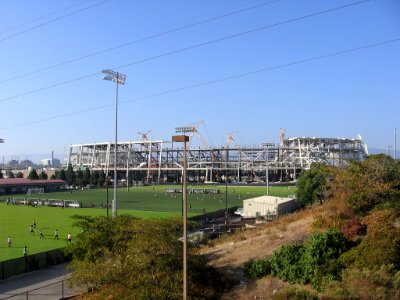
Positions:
{"x": 35, "y": 191}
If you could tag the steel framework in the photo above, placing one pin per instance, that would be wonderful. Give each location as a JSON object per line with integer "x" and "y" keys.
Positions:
{"x": 161, "y": 161}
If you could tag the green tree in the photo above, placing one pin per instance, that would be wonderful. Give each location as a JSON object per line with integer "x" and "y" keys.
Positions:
{"x": 52, "y": 177}
{"x": 10, "y": 173}
{"x": 33, "y": 175}
{"x": 79, "y": 178}
{"x": 94, "y": 178}
{"x": 102, "y": 178}
{"x": 43, "y": 175}
{"x": 312, "y": 184}
{"x": 86, "y": 176}
{"x": 1, "y": 173}
{"x": 20, "y": 175}
{"x": 70, "y": 175}
{"x": 62, "y": 175}
{"x": 138, "y": 259}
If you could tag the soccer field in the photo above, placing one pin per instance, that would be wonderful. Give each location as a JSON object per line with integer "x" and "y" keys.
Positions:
{"x": 146, "y": 201}
{"x": 15, "y": 221}
{"x": 154, "y": 198}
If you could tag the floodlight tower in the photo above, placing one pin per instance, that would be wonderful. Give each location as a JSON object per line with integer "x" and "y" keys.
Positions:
{"x": 185, "y": 139}
{"x": 118, "y": 78}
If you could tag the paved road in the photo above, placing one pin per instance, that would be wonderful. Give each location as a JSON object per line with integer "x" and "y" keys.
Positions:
{"x": 39, "y": 285}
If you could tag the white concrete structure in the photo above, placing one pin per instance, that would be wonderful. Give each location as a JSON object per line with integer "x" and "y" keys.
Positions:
{"x": 268, "y": 206}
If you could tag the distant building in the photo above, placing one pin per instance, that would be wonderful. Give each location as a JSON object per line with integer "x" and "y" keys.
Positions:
{"x": 20, "y": 185}
{"x": 48, "y": 162}
{"x": 12, "y": 162}
{"x": 26, "y": 163}
{"x": 268, "y": 206}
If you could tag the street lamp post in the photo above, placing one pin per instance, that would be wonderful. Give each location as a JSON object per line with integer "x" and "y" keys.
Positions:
{"x": 118, "y": 78}
{"x": 184, "y": 138}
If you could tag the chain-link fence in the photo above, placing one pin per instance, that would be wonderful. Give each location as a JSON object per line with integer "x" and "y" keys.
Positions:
{"x": 53, "y": 291}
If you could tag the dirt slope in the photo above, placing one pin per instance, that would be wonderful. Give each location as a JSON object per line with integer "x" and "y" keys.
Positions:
{"x": 229, "y": 253}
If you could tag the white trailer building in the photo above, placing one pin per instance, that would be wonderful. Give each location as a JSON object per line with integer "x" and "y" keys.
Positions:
{"x": 268, "y": 206}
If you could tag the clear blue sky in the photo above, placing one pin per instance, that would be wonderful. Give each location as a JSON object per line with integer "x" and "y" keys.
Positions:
{"x": 339, "y": 96}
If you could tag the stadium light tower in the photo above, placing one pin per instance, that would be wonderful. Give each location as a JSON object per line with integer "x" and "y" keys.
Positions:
{"x": 118, "y": 78}
{"x": 184, "y": 138}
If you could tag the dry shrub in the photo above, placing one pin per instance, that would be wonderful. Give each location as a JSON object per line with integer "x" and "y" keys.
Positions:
{"x": 362, "y": 283}
{"x": 352, "y": 229}
{"x": 295, "y": 293}
{"x": 381, "y": 244}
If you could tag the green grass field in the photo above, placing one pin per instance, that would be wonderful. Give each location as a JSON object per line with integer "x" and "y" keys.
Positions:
{"x": 155, "y": 199}
{"x": 143, "y": 202}
{"x": 15, "y": 221}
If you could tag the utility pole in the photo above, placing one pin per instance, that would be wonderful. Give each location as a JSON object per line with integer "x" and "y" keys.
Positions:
{"x": 185, "y": 139}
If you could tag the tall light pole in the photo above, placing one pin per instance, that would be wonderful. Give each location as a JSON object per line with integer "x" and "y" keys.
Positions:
{"x": 184, "y": 138}
{"x": 118, "y": 78}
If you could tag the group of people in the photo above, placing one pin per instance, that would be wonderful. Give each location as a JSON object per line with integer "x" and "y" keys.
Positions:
{"x": 41, "y": 236}
{"x": 24, "y": 250}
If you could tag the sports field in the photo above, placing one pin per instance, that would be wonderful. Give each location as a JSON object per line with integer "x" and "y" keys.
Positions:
{"x": 146, "y": 201}
{"x": 154, "y": 198}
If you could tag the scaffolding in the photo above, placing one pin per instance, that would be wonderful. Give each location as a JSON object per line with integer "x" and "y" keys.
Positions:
{"x": 161, "y": 161}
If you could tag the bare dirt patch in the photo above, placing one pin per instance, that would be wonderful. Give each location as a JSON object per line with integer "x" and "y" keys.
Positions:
{"x": 229, "y": 253}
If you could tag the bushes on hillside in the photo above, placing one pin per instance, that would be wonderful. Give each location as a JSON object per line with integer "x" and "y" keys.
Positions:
{"x": 294, "y": 293}
{"x": 381, "y": 245}
{"x": 257, "y": 268}
{"x": 303, "y": 263}
{"x": 363, "y": 283}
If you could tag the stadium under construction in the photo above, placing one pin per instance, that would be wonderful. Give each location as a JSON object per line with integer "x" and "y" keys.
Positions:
{"x": 161, "y": 161}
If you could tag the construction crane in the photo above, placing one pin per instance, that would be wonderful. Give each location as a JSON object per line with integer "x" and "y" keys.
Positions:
{"x": 230, "y": 139}
{"x": 196, "y": 131}
{"x": 281, "y": 136}
{"x": 145, "y": 135}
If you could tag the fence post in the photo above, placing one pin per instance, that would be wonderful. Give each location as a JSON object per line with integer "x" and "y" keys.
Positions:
{"x": 62, "y": 288}
{"x": 27, "y": 297}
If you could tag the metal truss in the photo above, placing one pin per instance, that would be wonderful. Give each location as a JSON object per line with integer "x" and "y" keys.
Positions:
{"x": 157, "y": 160}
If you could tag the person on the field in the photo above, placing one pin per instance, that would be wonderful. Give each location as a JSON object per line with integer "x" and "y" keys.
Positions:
{"x": 69, "y": 238}
{"x": 56, "y": 234}
{"x": 31, "y": 232}
{"x": 9, "y": 241}
{"x": 25, "y": 251}
{"x": 41, "y": 234}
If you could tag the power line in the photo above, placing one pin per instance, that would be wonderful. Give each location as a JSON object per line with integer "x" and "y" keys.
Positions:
{"x": 42, "y": 17}
{"x": 201, "y": 84}
{"x": 150, "y": 37}
{"x": 185, "y": 49}
{"x": 53, "y": 20}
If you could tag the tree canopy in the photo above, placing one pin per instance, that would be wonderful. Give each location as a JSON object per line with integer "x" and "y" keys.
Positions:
{"x": 43, "y": 175}
{"x": 33, "y": 175}
{"x": 70, "y": 175}
{"x": 138, "y": 259}
{"x": 311, "y": 184}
